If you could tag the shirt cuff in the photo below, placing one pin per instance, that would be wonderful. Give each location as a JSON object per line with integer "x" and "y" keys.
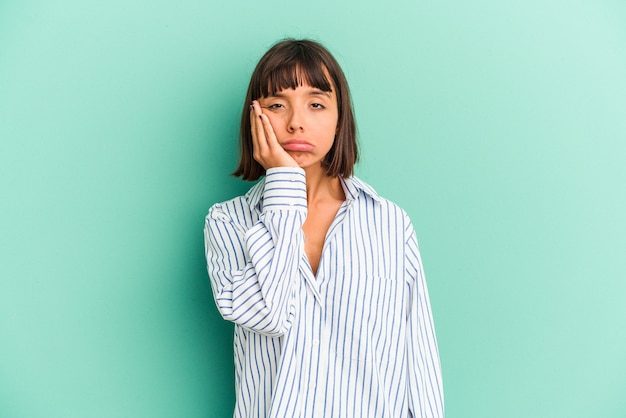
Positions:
{"x": 285, "y": 188}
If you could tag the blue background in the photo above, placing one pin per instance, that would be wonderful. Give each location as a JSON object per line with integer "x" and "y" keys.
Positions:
{"x": 499, "y": 126}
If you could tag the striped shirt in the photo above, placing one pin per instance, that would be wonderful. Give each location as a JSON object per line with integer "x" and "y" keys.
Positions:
{"x": 355, "y": 340}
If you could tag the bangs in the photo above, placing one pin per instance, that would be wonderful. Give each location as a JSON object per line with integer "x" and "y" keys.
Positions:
{"x": 299, "y": 71}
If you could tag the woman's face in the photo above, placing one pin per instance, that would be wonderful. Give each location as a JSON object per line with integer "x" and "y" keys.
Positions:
{"x": 304, "y": 120}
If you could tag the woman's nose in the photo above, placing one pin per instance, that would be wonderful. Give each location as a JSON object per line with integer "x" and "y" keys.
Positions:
{"x": 295, "y": 121}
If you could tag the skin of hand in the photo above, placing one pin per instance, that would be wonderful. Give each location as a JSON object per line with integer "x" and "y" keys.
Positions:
{"x": 266, "y": 149}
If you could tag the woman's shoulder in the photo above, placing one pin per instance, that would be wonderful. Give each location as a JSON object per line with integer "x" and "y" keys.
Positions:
{"x": 373, "y": 209}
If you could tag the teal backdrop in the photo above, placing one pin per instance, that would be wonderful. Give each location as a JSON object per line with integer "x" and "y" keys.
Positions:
{"x": 499, "y": 126}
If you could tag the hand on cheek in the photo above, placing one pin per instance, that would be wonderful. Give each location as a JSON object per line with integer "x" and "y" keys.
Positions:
{"x": 266, "y": 149}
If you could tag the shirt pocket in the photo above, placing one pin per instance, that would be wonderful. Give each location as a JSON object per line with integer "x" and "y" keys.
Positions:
{"x": 368, "y": 310}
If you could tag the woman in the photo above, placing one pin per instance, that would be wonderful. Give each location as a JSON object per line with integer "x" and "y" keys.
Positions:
{"x": 321, "y": 276}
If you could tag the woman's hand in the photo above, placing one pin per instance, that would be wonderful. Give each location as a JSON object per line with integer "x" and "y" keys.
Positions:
{"x": 266, "y": 149}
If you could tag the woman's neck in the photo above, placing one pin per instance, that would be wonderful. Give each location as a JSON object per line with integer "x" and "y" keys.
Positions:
{"x": 320, "y": 186}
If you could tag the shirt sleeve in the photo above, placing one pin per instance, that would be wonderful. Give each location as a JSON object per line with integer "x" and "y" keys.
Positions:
{"x": 425, "y": 386}
{"x": 253, "y": 272}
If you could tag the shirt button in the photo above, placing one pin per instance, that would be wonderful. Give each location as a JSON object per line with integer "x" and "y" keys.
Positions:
{"x": 311, "y": 386}
{"x": 316, "y": 343}
{"x": 293, "y": 177}
{"x": 291, "y": 203}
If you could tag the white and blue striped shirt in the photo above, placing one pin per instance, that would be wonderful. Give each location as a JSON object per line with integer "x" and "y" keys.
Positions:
{"x": 357, "y": 340}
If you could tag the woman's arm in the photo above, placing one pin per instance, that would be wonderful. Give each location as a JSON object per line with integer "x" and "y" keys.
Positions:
{"x": 424, "y": 384}
{"x": 253, "y": 272}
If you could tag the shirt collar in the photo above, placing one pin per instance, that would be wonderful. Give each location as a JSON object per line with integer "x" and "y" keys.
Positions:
{"x": 353, "y": 187}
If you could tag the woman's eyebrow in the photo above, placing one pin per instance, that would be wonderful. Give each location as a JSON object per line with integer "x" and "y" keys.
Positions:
{"x": 312, "y": 92}
{"x": 317, "y": 92}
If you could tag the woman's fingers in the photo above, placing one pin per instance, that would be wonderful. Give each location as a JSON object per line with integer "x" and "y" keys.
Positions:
{"x": 270, "y": 136}
{"x": 259, "y": 142}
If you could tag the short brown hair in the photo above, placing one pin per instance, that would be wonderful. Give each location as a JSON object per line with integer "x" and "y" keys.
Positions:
{"x": 288, "y": 64}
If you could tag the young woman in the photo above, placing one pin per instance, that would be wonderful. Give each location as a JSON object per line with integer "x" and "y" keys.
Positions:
{"x": 321, "y": 276}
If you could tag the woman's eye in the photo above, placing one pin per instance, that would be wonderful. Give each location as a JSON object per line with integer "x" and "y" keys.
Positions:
{"x": 275, "y": 106}
{"x": 317, "y": 106}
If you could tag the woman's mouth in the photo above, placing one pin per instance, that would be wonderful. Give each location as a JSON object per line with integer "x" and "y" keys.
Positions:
{"x": 297, "y": 145}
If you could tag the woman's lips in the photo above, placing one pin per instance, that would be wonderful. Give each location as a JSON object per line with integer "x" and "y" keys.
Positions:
{"x": 297, "y": 145}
